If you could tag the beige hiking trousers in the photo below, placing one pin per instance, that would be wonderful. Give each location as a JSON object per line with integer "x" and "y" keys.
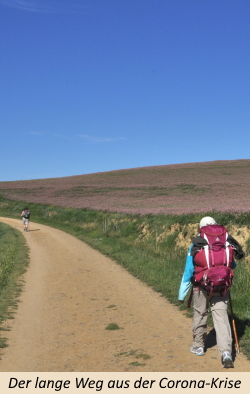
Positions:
{"x": 218, "y": 305}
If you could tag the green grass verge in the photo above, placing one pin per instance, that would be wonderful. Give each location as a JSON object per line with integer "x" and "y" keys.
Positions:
{"x": 158, "y": 263}
{"x": 13, "y": 263}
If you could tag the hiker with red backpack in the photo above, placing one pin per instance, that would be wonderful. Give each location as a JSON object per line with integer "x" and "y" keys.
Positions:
{"x": 209, "y": 268}
{"x": 25, "y": 216}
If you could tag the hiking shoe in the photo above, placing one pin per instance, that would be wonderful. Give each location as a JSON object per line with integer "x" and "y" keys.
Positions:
{"x": 227, "y": 360}
{"x": 199, "y": 351}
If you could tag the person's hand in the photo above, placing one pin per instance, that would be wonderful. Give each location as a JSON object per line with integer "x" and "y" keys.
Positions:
{"x": 181, "y": 301}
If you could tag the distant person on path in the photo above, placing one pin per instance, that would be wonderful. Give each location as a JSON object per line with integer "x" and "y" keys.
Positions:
{"x": 25, "y": 215}
{"x": 212, "y": 253}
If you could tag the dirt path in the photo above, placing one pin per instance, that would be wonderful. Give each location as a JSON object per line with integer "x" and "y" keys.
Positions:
{"x": 72, "y": 293}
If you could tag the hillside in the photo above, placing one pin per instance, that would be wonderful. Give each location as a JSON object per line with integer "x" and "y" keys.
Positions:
{"x": 150, "y": 247}
{"x": 180, "y": 188}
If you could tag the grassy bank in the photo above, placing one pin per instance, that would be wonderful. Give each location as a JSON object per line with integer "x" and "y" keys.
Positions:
{"x": 146, "y": 245}
{"x": 13, "y": 262}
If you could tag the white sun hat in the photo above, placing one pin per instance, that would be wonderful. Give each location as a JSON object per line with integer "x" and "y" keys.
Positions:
{"x": 207, "y": 221}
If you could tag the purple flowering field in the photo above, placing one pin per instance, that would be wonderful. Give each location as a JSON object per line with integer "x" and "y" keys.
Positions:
{"x": 179, "y": 188}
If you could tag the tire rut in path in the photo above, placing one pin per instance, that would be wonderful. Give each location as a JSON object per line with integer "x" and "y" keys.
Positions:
{"x": 72, "y": 293}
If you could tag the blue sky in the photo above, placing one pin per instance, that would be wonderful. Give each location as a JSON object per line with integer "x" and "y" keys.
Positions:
{"x": 97, "y": 85}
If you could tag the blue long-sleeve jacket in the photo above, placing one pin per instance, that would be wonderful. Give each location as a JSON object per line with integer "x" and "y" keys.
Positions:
{"x": 187, "y": 275}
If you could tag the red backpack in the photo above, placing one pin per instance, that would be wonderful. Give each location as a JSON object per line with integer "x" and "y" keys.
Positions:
{"x": 213, "y": 262}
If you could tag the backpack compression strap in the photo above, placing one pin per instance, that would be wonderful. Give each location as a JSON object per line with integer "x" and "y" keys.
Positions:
{"x": 227, "y": 251}
{"x": 206, "y": 250}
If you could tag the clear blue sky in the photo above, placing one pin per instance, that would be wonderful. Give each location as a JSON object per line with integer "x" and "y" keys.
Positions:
{"x": 97, "y": 85}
